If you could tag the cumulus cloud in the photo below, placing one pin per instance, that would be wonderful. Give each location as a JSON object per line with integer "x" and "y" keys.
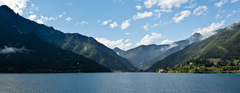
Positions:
{"x": 106, "y": 22}
{"x": 165, "y": 4}
{"x": 43, "y": 19}
{"x": 210, "y": 30}
{"x": 191, "y": 6}
{"x": 127, "y": 33}
{"x": 68, "y": 19}
{"x": 146, "y": 27}
{"x": 233, "y": 1}
{"x": 112, "y": 44}
{"x": 125, "y": 46}
{"x": 108, "y": 43}
{"x": 8, "y": 50}
{"x": 16, "y": 5}
{"x": 201, "y": 10}
{"x": 125, "y": 24}
{"x": 142, "y": 15}
{"x": 139, "y": 7}
{"x": 149, "y": 39}
{"x": 180, "y": 16}
{"x": 219, "y": 4}
{"x": 32, "y": 17}
{"x": 113, "y": 25}
{"x": 232, "y": 13}
{"x": 166, "y": 42}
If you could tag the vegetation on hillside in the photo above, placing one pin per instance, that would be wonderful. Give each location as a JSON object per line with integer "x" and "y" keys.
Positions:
{"x": 222, "y": 45}
{"x": 27, "y": 53}
{"x": 205, "y": 66}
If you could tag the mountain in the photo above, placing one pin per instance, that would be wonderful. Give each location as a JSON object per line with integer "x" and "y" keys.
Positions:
{"x": 27, "y": 53}
{"x": 74, "y": 42}
{"x": 118, "y": 51}
{"x": 228, "y": 50}
{"x": 204, "y": 48}
{"x": 163, "y": 55}
{"x": 180, "y": 45}
{"x": 144, "y": 56}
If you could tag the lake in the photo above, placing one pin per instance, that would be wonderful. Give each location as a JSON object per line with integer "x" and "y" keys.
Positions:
{"x": 119, "y": 83}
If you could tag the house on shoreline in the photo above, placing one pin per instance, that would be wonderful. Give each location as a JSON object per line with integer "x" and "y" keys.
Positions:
{"x": 160, "y": 70}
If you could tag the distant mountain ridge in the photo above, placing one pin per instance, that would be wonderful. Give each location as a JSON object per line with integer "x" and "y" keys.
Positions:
{"x": 144, "y": 56}
{"x": 77, "y": 43}
{"x": 118, "y": 50}
{"x": 212, "y": 47}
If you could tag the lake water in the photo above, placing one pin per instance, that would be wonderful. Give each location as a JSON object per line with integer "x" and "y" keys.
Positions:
{"x": 119, "y": 83}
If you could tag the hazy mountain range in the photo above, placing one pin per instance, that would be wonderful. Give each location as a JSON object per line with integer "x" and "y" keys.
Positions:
{"x": 144, "y": 56}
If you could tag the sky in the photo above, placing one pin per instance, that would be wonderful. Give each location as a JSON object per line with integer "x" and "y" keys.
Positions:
{"x": 129, "y": 23}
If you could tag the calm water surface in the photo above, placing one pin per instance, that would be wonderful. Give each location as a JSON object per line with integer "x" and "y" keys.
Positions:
{"x": 119, "y": 83}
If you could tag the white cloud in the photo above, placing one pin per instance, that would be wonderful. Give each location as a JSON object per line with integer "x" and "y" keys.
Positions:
{"x": 150, "y": 3}
{"x": 210, "y": 30}
{"x": 233, "y": 1}
{"x": 32, "y": 17}
{"x": 219, "y": 4}
{"x": 139, "y": 7}
{"x": 125, "y": 24}
{"x": 40, "y": 22}
{"x": 191, "y": 6}
{"x": 113, "y": 25}
{"x": 127, "y": 33}
{"x": 167, "y": 42}
{"x": 142, "y": 15}
{"x": 99, "y": 21}
{"x": 217, "y": 16}
{"x": 70, "y": 3}
{"x": 201, "y": 10}
{"x": 146, "y": 27}
{"x": 43, "y": 19}
{"x": 68, "y": 19}
{"x": 109, "y": 43}
{"x": 16, "y": 5}
{"x": 51, "y": 18}
{"x": 165, "y": 4}
{"x": 149, "y": 39}
{"x": 8, "y": 50}
{"x": 125, "y": 46}
{"x": 60, "y": 16}
{"x": 82, "y": 23}
{"x": 231, "y": 14}
{"x": 191, "y": 1}
{"x": 112, "y": 44}
{"x": 106, "y": 22}
{"x": 127, "y": 40}
{"x": 180, "y": 16}
{"x": 221, "y": 11}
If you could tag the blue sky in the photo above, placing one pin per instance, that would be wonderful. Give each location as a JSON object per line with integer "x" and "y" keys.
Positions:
{"x": 130, "y": 23}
